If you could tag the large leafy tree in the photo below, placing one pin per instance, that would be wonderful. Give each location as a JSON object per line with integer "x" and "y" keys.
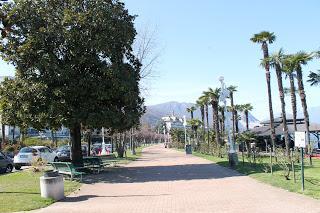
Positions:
{"x": 78, "y": 54}
{"x": 264, "y": 38}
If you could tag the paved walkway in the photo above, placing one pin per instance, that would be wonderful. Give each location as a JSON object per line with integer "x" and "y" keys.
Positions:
{"x": 165, "y": 180}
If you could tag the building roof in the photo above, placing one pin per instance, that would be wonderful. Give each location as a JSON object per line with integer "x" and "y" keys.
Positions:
{"x": 265, "y": 130}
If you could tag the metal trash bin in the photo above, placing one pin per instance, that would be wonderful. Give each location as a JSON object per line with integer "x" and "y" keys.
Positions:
{"x": 52, "y": 186}
{"x": 188, "y": 149}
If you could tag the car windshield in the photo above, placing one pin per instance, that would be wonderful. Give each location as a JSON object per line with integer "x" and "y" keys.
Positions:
{"x": 63, "y": 148}
{"x": 27, "y": 150}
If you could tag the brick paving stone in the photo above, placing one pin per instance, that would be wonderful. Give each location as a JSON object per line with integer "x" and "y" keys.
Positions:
{"x": 168, "y": 181}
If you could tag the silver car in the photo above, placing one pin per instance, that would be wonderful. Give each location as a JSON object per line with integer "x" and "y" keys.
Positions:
{"x": 6, "y": 163}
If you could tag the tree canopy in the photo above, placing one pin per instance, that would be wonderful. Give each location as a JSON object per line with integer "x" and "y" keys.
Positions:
{"x": 77, "y": 58}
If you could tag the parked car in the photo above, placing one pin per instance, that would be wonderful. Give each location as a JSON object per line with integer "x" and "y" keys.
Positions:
{"x": 63, "y": 152}
{"x": 97, "y": 149}
{"x": 27, "y": 154}
{"x": 6, "y": 163}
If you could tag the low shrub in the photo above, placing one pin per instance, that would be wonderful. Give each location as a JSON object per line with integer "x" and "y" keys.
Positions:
{"x": 38, "y": 165}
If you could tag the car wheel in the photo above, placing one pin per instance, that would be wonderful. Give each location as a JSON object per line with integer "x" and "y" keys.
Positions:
{"x": 55, "y": 159}
{"x": 17, "y": 167}
{"x": 9, "y": 168}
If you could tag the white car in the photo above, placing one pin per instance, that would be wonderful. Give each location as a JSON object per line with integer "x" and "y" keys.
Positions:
{"x": 27, "y": 154}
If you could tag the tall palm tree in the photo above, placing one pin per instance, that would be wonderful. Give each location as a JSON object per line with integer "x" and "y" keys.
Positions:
{"x": 191, "y": 110}
{"x": 214, "y": 100}
{"x": 264, "y": 38}
{"x": 232, "y": 89}
{"x": 205, "y": 98}
{"x": 222, "y": 127}
{"x": 288, "y": 69}
{"x": 195, "y": 123}
{"x": 314, "y": 78}
{"x": 247, "y": 108}
{"x": 237, "y": 108}
{"x": 299, "y": 59}
{"x": 276, "y": 62}
{"x": 201, "y": 104}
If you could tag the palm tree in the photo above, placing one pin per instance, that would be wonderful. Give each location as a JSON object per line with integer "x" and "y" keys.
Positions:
{"x": 214, "y": 100}
{"x": 314, "y": 78}
{"x": 247, "y": 108}
{"x": 222, "y": 127}
{"x": 276, "y": 62}
{"x": 201, "y": 104}
{"x": 195, "y": 123}
{"x": 191, "y": 110}
{"x": 264, "y": 38}
{"x": 299, "y": 59}
{"x": 237, "y": 108}
{"x": 232, "y": 89}
{"x": 288, "y": 69}
{"x": 205, "y": 98}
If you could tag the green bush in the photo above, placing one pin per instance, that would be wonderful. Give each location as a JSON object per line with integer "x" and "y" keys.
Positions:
{"x": 37, "y": 142}
{"x": 12, "y": 148}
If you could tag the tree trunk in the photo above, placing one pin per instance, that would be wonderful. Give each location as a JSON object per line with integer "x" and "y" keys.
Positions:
{"x": 283, "y": 110}
{"x": 89, "y": 143}
{"x": 236, "y": 122}
{"x": 293, "y": 101}
{"x": 132, "y": 142}
{"x": 76, "y": 152}
{"x": 267, "y": 68}
{"x": 53, "y": 141}
{"x": 3, "y": 129}
{"x": 208, "y": 135}
{"x": 13, "y": 134}
{"x": 247, "y": 119}
{"x": 233, "y": 117}
{"x": 216, "y": 122}
{"x": 203, "y": 124}
{"x": 305, "y": 111}
{"x": 119, "y": 146}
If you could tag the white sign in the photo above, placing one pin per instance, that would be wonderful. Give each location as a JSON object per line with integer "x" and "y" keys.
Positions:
{"x": 300, "y": 139}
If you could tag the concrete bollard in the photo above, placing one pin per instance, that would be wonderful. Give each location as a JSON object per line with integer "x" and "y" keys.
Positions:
{"x": 52, "y": 187}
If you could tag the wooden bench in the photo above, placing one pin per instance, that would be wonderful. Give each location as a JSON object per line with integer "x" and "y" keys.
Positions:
{"x": 67, "y": 168}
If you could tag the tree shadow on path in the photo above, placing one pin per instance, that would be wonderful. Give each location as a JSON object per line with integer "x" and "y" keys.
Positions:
{"x": 162, "y": 173}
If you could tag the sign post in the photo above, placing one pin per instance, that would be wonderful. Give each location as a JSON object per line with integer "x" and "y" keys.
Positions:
{"x": 300, "y": 141}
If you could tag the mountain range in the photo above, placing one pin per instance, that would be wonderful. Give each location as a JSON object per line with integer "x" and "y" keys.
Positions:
{"x": 154, "y": 113}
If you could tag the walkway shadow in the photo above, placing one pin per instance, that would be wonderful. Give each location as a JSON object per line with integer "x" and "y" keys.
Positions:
{"x": 87, "y": 197}
{"x": 162, "y": 173}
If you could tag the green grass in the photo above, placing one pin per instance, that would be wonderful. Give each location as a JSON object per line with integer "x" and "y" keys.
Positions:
{"x": 20, "y": 191}
{"x": 312, "y": 174}
{"x": 130, "y": 157}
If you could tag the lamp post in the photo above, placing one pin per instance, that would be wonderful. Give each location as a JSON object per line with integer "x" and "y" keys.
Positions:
{"x": 185, "y": 129}
{"x": 103, "y": 147}
{"x": 224, "y": 94}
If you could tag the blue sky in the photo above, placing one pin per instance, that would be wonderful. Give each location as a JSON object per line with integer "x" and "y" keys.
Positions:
{"x": 201, "y": 40}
